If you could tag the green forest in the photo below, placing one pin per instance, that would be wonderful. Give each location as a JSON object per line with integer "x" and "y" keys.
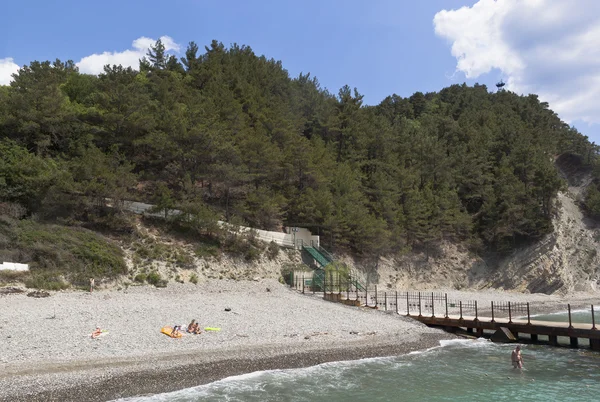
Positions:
{"x": 224, "y": 134}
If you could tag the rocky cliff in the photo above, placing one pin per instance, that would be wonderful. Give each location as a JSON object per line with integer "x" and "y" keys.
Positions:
{"x": 564, "y": 261}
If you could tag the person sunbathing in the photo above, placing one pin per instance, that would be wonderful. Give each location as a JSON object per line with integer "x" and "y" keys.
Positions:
{"x": 97, "y": 332}
{"x": 175, "y": 332}
{"x": 197, "y": 330}
{"x": 194, "y": 328}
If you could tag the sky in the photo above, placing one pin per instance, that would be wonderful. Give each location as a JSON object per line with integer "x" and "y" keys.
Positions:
{"x": 381, "y": 47}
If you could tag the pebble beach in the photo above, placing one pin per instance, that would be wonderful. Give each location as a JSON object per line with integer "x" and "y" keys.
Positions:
{"x": 47, "y": 353}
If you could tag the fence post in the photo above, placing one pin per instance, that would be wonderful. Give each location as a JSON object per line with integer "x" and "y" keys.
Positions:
{"x": 419, "y": 304}
{"x": 407, "y": 305}
{"x": 446, "y": 301}
{"x": 303, "y": 283}
{"x": 593, "y": 319}
{"x": 509, "y": 314}
{"x": 366, "y": 296}
{"x": 528, "y": 316}
{"x": 432, "y": 311}
{"x": 397, "y": 303}
{"x": 460, "y": 305}
{"x": 385, "y": 300}
{"x": 376, "y": 301}
{"x": 493, "y": 312}
{"x": 476, "y": 315}
{"x": 569, "y": 307}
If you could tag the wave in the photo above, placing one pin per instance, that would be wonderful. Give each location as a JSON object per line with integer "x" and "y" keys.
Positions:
{"x": 565, "y": 312}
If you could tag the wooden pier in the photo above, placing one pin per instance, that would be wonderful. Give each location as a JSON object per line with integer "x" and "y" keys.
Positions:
{"x": 436, "y": 309}
{"x": 534, "y": 328}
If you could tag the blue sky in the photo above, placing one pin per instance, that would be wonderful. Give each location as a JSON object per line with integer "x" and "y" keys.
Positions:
{"x": 381, "y": 47}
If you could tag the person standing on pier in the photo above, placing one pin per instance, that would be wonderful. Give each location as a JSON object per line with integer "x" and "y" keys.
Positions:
{"x": 517, "y": 358}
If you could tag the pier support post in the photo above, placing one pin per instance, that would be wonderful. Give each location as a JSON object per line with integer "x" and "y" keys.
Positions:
{"x": 534, "y": 337}
{"x": 446, "y": 298}
{"x": 470, "y": 330}
{"x": 595, "y": 344}
{"x": 570, "y": 324}
{"x": 479, "y": 332}
{"x": 553, "y": 340}
{"x": 574, "y": 341}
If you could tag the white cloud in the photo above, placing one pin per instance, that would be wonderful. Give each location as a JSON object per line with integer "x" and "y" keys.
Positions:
{"x": 548, "y": 47}
{"x": 7, "y": 69}
{"x": 94, "y": 64}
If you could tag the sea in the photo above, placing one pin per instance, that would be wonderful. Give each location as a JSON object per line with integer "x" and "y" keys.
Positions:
{"x": 457, "y": 370}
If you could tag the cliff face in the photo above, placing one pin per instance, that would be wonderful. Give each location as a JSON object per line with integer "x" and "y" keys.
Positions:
{"x": 564, "y": 261}
{"x": 568, "y": 259}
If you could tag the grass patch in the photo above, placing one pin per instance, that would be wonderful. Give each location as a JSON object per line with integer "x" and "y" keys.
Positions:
{"x": 9, "y": 276}
{"x": 60, "y": 255}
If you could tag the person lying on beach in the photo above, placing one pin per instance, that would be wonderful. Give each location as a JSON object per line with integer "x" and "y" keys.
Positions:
{"x": 176, "y": 329}
{"x": 97, "y": 332}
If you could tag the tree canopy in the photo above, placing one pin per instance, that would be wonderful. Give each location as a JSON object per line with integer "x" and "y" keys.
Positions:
{"x": 232, "y": 133}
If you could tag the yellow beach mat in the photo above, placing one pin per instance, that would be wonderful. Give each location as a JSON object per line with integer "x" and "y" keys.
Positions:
{"x": 169, "y": 332}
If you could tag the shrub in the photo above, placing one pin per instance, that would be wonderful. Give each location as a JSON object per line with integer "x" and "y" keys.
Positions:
{"x": 194, "y": 279}
{"x": 272, "y": 250}
{"x": 7, "y": 276}
{"x": 47, "y": 281}
{"x": 207, "y": 250}
{"x": 141, "y": 278}
{"x": 154, "y": 278}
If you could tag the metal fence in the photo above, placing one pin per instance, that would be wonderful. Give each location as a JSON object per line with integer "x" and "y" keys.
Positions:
{"x": 405, "y": 302}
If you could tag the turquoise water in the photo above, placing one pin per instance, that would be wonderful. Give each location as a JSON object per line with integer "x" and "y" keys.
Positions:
{"x": 577, "y": 316}
{"x": 465, "y": 370}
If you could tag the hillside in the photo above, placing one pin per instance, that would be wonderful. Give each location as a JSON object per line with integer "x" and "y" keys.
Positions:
{"x": 226, "y": 135}
{"x": 564, "y": 261}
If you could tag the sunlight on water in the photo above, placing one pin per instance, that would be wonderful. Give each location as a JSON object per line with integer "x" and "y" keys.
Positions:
{"x": 459, "y": 370}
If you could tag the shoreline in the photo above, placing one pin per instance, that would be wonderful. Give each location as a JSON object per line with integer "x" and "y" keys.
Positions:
{"x": 264, "y": 326}
{"x": 84, "y": 382}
